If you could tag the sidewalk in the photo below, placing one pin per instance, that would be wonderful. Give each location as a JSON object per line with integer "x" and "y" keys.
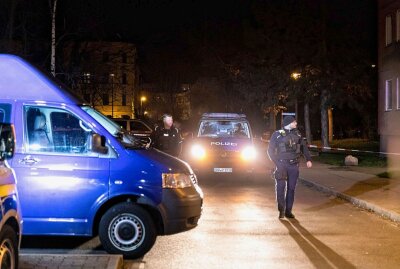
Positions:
{"x": 358, "y": 185}
{"x": 69, "y": 261}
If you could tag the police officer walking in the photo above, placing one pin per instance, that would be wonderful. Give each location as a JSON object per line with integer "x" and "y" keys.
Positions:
{"x": 167, "y": 138}
{"x": 285, "y": 147}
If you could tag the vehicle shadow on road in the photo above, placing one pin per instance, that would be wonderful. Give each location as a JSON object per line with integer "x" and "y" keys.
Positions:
{"x": 317, "y": 252}
{"x": 65, "y": 243}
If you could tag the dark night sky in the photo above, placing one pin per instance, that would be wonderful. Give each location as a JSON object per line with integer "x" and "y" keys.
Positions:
{"x": 205, "y": 38}
{"x": 165, "y": 22}
{"x": 175, "y": 25}
{"x": 136, "y": 20}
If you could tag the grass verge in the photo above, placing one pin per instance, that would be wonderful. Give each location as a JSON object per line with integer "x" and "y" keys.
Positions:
{"x": 364, "y": 160}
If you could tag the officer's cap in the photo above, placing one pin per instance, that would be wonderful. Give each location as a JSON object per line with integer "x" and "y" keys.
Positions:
{"x": 288, "y": 120}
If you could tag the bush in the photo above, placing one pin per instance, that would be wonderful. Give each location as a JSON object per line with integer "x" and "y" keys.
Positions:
{"x": 353, "y": 143}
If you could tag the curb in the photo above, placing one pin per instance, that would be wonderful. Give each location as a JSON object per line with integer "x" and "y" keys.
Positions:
{"x": 382, "y": 212}
{"x": 62, "y": 261}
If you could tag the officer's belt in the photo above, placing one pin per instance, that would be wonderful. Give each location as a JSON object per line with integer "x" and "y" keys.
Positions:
{"x": 291, "y": 161}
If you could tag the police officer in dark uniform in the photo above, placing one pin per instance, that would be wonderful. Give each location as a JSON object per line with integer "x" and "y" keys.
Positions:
{"x": 167, "y": 138}
{"x": 285, "y": 148}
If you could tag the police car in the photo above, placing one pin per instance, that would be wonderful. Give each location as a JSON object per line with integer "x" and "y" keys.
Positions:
{"x": 10, "y": 219}
{"x": 223, "y": 144}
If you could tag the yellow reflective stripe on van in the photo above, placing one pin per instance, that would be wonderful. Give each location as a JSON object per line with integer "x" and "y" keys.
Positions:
{"x": 6, "y": 190}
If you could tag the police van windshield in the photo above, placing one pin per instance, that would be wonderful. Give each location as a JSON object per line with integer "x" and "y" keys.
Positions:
{"x": 113, "y": 128}
{"x": 224, "y": 128}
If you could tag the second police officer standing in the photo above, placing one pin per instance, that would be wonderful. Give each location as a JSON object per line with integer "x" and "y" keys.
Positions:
{"x": 285, "y": 148}
{"x": 167, "y": 138}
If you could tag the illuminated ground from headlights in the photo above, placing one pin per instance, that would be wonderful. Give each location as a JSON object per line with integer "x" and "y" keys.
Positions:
{"x": 240, "y": 229}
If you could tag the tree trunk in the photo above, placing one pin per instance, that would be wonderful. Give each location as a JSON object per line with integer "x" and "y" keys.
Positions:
{"x": 330, "y": 124}
{"x": 53, "y": 39}
{"x": 324, "y": 118}
{"x": 307, "y": 122}
{"x": 272, "y": 121}
{"x": 324, "y": 91}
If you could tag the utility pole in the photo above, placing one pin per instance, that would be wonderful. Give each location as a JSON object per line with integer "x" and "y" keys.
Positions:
{"x": 112, "y": 95}
{"x": 53, "y": 37}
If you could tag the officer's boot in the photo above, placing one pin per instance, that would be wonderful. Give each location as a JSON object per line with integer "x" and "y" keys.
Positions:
{"x": 289, "y": 215}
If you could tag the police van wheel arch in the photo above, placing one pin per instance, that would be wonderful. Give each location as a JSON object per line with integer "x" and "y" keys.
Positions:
{"x": 8, "y": 247}
{"x": 127, "y": 229}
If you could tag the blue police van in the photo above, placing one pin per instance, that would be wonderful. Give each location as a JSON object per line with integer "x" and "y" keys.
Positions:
{"x": 223, "y": 144}
{"x": 79, "y": 174}
{"x": 10, "y": 219}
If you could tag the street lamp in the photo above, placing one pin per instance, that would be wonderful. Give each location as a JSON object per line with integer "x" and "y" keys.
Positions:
{"x": 295, "y": 75}
{"x": 142, "y": 99}
{"x": 112, "y": 95}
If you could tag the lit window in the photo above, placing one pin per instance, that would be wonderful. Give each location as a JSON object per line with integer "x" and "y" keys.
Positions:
{"x": 389, "y": 31}
{"x": 86, "y": 78}
{"x": 388, "y": 95}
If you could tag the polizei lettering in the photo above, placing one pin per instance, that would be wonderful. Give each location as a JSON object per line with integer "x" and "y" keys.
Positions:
{"x": 223, "y": 144}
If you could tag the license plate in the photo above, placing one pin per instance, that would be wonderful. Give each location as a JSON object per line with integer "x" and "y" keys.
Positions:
{"x": 223, "y": 170}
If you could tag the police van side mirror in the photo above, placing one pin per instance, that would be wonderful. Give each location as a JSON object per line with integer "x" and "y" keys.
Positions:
{"x": 98, "y": 144}
{"x": 7, "y": 141}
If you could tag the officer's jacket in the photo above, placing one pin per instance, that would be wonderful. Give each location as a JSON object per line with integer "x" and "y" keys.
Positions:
{"x": 167, "y": 140}
{"x": 287, "y": 145}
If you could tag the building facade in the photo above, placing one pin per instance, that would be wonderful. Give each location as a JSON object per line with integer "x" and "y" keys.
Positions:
{"x": 389, "y": 77}
{"x": 103, "y": 74}
{"x": 156, "y": 102}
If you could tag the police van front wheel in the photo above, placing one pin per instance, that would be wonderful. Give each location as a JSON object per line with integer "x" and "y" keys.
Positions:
{"x": 127, "y": 229}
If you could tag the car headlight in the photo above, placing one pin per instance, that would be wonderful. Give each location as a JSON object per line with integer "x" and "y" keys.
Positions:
{"x": 198, "y": 152}
{"x": 249, "y": 153}
{"x": 176, "y": 181}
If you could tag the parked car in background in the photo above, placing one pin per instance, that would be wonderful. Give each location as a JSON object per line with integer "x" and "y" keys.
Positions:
{"x": 80, "y": 175}
{"x": 223, "y": 144}
{"x": 11, "y": 221}
{"x": 135, "y": 127}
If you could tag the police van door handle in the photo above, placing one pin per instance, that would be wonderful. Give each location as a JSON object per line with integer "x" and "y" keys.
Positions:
{"x": 28, "y": 160}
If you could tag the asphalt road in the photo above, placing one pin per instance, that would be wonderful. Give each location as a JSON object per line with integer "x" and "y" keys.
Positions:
{"x": 240, "y": 229}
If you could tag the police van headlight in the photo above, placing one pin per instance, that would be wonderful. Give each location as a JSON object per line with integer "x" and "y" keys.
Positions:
{"x": 198, "y": 152}
{"x": 176, "y": 181}
{"x": 249, "y": 153}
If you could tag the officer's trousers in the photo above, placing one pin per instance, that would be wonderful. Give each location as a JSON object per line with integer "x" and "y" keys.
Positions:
{"x": 285, "y": 188}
